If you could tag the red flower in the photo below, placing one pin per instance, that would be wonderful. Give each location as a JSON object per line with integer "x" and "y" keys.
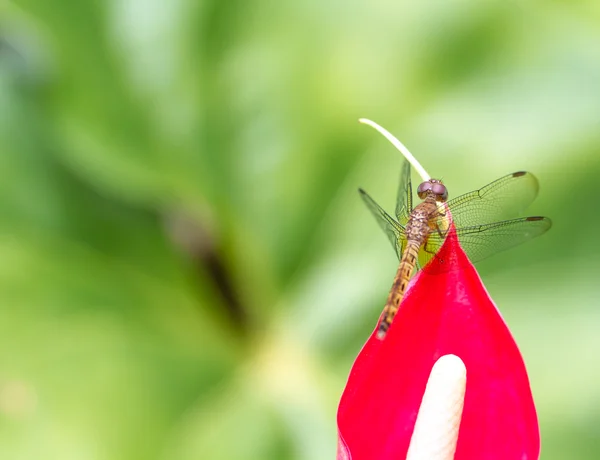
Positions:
{"x": 446, "y": 310}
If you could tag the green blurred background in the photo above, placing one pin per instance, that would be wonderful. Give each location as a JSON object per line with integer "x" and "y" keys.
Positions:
{"x": 186, "y": 269}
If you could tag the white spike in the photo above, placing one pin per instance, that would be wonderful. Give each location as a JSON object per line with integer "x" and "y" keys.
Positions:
{"x": 400, "y": 146}
{"x": 436, "y": 430}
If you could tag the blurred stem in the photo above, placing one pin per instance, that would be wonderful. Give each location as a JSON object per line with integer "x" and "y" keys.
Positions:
{"x": 201, "y": 249}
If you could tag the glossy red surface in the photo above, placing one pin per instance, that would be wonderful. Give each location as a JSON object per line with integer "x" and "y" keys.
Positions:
{"x": 446, "y": 310}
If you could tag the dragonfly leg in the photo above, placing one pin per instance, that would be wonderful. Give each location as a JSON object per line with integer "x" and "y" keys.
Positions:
{"x": 427, "y": 250}
{"x": 440, "y": 232}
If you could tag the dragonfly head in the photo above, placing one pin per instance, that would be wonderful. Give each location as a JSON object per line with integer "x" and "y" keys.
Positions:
{"x": 433, "y": 188}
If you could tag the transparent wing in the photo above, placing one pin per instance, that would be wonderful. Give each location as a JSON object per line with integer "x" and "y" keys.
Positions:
{"x": 393, "y": 230}
{"x": 503, "y": 199}
{"x": 404, "y": 197}
{"x": 482, "y": 241}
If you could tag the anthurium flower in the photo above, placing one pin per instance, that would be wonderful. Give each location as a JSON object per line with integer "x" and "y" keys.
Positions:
{"x": 446, "y": 310}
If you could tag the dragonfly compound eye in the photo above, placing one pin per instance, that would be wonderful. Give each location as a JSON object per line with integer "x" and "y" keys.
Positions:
{"x": 440, "y": 190}
{"x": 424, "y": 188}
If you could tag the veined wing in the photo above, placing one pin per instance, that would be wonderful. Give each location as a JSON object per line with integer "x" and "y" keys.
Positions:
{"x": 404, "y": 197}
{"x": 393, "y": 230}
{"x": 503, "y": 199}
{"x": 482, "y": 241}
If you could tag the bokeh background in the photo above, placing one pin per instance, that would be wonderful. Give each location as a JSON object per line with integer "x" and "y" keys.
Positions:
{"x": 186, "y": 269}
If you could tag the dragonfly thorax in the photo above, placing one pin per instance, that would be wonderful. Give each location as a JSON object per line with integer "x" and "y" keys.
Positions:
{"x": 433, "y": 188}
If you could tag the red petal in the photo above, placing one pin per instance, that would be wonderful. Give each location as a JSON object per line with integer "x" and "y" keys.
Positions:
{"x": 447, "y": 310}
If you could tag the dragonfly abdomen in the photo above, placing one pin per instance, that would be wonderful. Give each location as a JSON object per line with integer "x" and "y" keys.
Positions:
{"x": 405, "y": 269}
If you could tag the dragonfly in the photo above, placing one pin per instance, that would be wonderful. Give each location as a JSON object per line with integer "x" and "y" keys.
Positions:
{"x": 484, "y": 220}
